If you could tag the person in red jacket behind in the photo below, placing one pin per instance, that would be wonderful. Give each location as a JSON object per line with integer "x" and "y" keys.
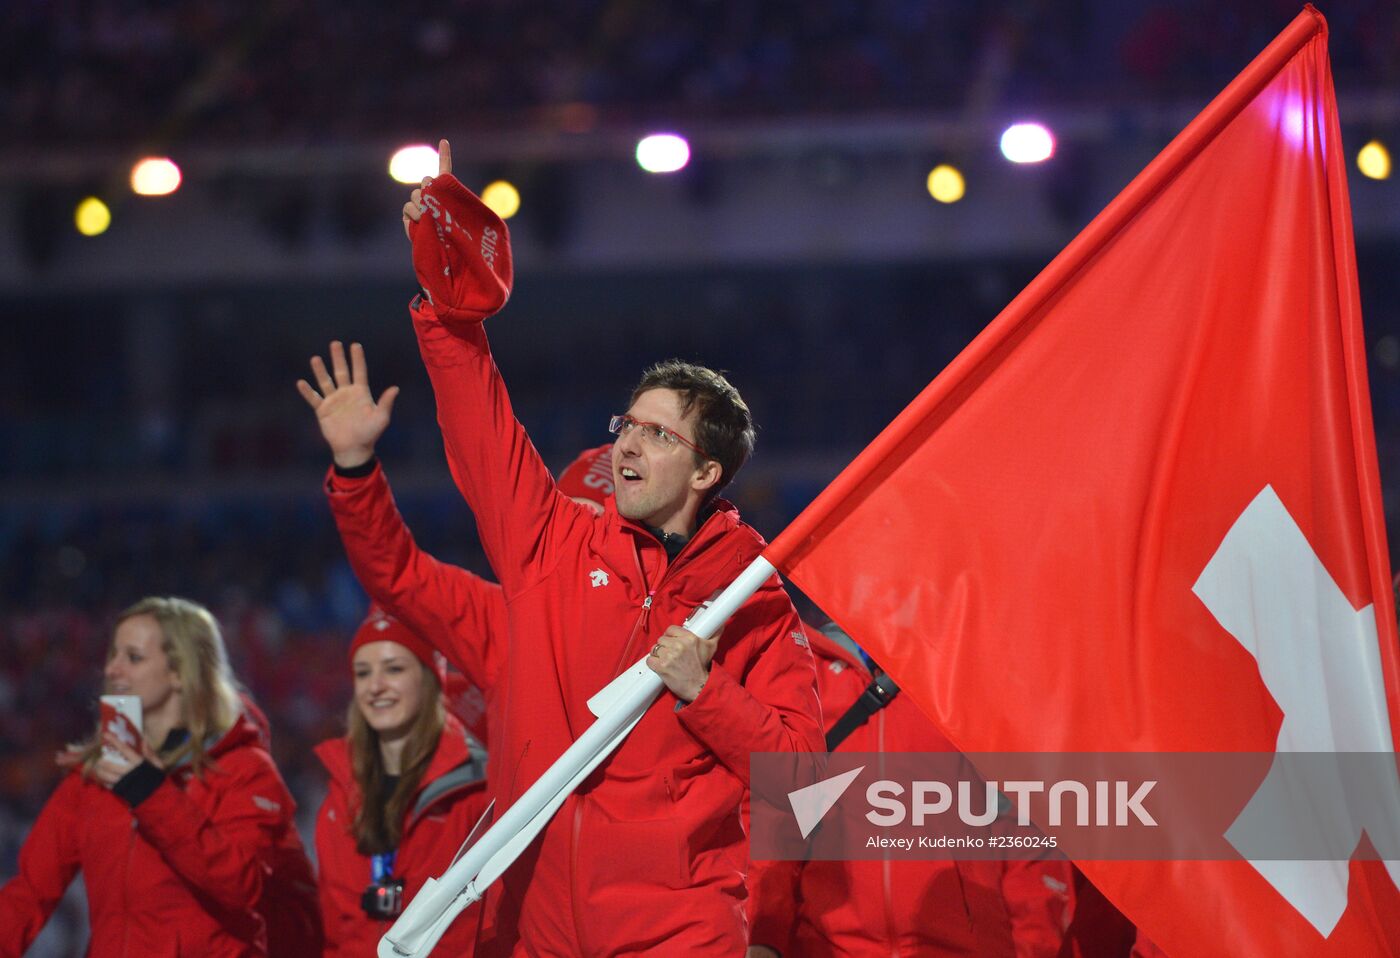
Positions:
{"x": 918, "y": 909}
{"x": 407, "y": 785}
{"x": 176, "y": 837}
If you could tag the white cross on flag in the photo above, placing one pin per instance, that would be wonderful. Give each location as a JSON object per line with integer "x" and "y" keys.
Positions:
{"x": 1141, "y": 513}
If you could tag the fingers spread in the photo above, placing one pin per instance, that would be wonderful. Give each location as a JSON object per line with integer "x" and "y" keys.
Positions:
{"x": 386, "y": 401}
{"x": 312, "y": 397}
{"x": 359, "y": 369}
{"x": 338, "y": 363}
{"x": 323, "y": 378}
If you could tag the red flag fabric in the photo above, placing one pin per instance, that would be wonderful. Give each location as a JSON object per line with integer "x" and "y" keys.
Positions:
{"x": 1141, "y": 511}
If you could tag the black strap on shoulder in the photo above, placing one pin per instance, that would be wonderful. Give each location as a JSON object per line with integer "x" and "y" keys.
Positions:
{"x": 877, "y": 695}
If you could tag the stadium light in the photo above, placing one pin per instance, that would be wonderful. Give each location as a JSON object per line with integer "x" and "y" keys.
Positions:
{"x": 155, "y": 176}
{"x": 92, "y": 217}
{"x": 1027, "y": 143}
{"x": 946, "y": 184}
{"x": 410, "y": 164}
{"x": 502, "y": 198}
{"x": 663, "y": 153}
{"x": 1373, "y": 160}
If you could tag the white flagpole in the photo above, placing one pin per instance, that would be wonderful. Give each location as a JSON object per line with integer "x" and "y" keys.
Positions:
{"x": 619, "y": 707}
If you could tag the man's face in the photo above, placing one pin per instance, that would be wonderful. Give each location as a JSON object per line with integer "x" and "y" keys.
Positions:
{"x": 661, "y": 487}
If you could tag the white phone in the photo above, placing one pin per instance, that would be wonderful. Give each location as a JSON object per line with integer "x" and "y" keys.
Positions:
{"x": 121, "y": 715}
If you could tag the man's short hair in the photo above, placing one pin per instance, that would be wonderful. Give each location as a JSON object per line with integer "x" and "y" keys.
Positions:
{"x": 724, "y": 429}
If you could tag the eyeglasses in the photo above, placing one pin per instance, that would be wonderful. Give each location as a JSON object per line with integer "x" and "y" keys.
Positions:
{"x": 653, "y": 433}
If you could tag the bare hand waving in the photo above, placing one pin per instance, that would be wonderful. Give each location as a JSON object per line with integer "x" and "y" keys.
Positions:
{"x": 351, "y": 421}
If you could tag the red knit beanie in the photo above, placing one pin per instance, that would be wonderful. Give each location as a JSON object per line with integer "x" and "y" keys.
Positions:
{"x": 379, "y": 626}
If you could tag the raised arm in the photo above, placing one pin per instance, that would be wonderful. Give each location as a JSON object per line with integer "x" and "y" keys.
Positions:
{"x": 461, "y": 257}
{"x": 460, "y": 613}
{"x": 351, "y": 420}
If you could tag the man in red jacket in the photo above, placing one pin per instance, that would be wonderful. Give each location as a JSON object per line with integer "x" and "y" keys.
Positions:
{"x": 648, "y": 856}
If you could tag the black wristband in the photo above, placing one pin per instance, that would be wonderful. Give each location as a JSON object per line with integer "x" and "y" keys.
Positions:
{"x": 357, "y": 472}
{"x": 139, "y": 784}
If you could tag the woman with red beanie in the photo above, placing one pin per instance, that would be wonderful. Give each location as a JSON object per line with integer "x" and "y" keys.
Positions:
{"x": 407, "y": 785}
{"x": 178, "y": 829}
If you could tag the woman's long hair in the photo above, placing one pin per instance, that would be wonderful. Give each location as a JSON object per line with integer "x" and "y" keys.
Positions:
{"x": 378, "y": 824}
{"x": 191, "y": 640}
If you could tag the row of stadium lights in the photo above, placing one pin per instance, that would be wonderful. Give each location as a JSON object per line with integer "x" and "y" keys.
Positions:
{"x": 657, "y": 153}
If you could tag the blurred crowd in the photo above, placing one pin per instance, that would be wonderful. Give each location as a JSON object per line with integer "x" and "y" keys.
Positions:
{"x": 122, "y": 72}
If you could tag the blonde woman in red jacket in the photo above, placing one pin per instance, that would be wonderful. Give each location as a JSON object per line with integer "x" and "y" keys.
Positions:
{"x": 407, "y": 785}
{"x": 176, "y": 840}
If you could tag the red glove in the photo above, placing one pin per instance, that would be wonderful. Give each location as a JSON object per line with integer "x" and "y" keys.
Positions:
{"x": 461, "y": 252}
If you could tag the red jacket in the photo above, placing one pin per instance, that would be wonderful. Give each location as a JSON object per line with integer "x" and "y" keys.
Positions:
{"x": 648, "y": 856}
{"x": 288, "y": 903}
{"x": 461, "y": 614}
{"x": 450, "y": 800}
{"x": 178, "y": 875}
{"x": 930, "y": 909}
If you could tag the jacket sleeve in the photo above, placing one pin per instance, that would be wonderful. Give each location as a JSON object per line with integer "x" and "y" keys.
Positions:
{"x": 519, "y": 513}
{"x": 1037, "y": 895}
{"x": 461, "y": 614}
{"x": 224, "y": 854}
{"x": 772, "y": 706}
{"x": 48, "y": 860}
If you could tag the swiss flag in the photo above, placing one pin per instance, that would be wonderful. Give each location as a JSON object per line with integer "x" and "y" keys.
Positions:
{"x": 1141, "y": 512}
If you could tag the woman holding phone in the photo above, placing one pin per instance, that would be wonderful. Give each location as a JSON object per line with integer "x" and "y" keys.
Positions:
{"x": 407, "y": 786}
{"x": 176, "y": 833}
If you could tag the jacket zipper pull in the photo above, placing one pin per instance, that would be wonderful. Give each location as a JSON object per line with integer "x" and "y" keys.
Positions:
{"x": 646, "y": 608}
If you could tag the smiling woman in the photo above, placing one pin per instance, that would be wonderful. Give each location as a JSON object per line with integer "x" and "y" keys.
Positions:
{"x": 407, "y": 785}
